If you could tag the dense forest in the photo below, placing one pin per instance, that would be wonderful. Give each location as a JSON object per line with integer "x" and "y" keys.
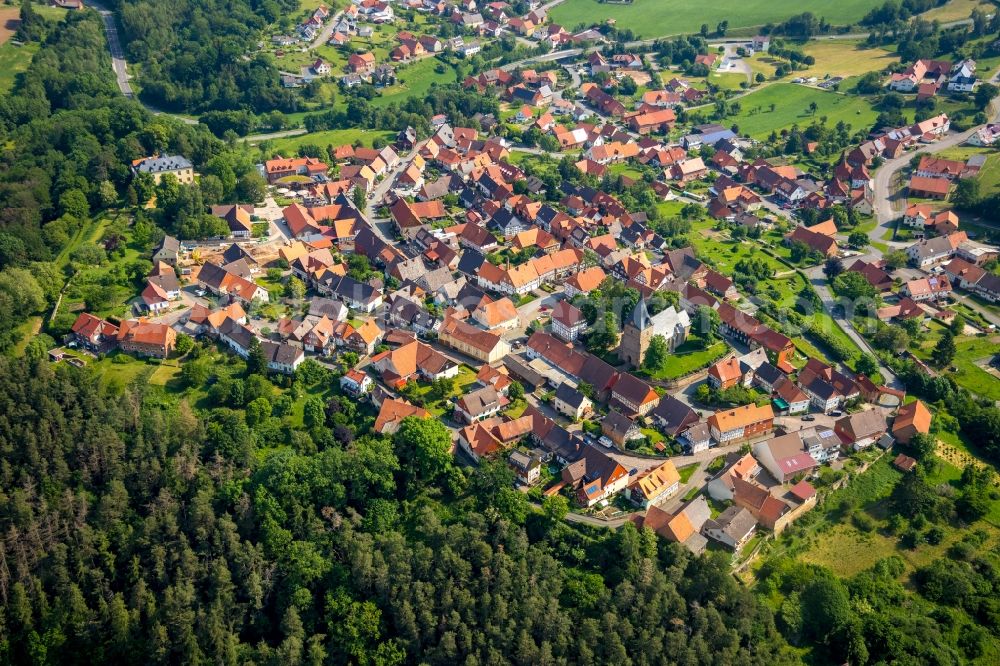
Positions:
{"x": 137, "y": 530}
{"x": 193, "y": 54}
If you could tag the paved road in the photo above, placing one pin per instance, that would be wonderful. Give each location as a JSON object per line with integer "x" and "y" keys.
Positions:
{"x": 257, "y": 138}
{"x": 738, "y": 64}
{"x": 886, "y": 174}
{"x": 324, "y": 35}
{"x": 986, "y": 314}
{"x": 548, "y": 57}
{"x": 384, "y": 228}
{"x": 818, "y": 280}
{"x": 117, "y": 53}
{"x": 530, "y": 312}
{"x": 120, "y": 66}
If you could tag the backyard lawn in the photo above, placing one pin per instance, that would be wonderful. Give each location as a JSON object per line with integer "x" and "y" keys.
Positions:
{"x": 727, "y": 80}
{"x": 791, "y": 101}
{"x": 989, "y": 175}
{"x": 655, "y": 18}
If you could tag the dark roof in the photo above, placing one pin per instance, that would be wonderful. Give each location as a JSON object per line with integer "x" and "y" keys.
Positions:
{"x": 348, "y": 287}
{"x": 280, "y": 353}
{"x": 640, "y": 316}
{"x": 617, "y": 423}
{"x": 325, "y": 306}
{"x": 769, "y": 373}
{"x": 598, "y": 373}
{"x": 236, "y": 332}
{"x": 470, "y": 262}
{"x": 632, "y": 388}
{"x": 567, "y": 393}
{"x": 234, "y": 253}
{"x": 822, "y": 388}
{"x": 674, "y": 414}
{"x": 521, "y": 370}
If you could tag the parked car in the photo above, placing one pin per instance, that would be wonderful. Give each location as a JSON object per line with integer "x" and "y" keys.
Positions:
{"x": 836, "y": 412}
{"x": 606, "y": 441}
{"x": 808, "y": 417}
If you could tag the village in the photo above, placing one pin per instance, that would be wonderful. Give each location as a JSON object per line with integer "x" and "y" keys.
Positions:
{"x": 439, "y": 266}
{"x": 419, "y": 331}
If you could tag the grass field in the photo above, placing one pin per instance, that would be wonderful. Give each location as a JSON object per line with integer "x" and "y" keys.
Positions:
{"x": 727, "y": 80}
{"x": 690, "y": 357}
{"x": 654, "y": 18}
{"x": 415, "y": 80}
{"x": 791, "y": 107}
{"x": 970, "y": 352}
{"x": 845, "y": 58}
{"x": 956, "y": 9}
{"x": 290, "y": 145}
{"x": 14, "y": 60}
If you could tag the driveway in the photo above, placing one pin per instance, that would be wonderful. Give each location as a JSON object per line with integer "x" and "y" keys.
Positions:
{"x": 530, "y": 312}
{"x": 271, "y": 212}
{"x": 736, "y": 63}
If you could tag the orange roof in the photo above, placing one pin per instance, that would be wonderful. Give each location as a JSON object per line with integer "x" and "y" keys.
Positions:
{"x": 932, "y": 185}
{"x": 742, "y": 467}
{"x": 588, "y": 279}
{"x": 393, "y": 411}
{"x": 498, "y": 312}
{"x": 369, "y": 331}
{"x": 484, "y": 341}
{"x": 497, "y": 378}
{"x": 914, "y": 414}
{"x": 145, "y": 333}
{"x": 726, "y": 370}
{"x": 292, "y": 252}
{"x": 827, "y": 228}
{"x": 740, "y": 417}
{"x": 679, "y": 528}
{"x": 508, "y": 431}
{"x": 481, "y": 440}
{"x": 652, "y": 482}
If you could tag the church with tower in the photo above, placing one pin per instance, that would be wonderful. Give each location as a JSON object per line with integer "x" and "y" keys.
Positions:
{"x": 640, "y": 328}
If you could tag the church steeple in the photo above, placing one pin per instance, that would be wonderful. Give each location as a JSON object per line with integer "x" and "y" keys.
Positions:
{"x": 640, "y": 316}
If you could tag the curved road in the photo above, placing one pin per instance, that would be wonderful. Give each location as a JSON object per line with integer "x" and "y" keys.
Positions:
{"x": 886, "y": 174}
{"x": 120, "y": 67}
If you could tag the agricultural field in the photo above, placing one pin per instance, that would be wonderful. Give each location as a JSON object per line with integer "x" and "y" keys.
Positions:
{"x": 290, "y": 145}
{"x": 8, "y": 23}
{"x": 845, "y": 58}
{"x": 782, "y": 105}
{"x": 656, "y": 18}
{"x": 956, "y": 10}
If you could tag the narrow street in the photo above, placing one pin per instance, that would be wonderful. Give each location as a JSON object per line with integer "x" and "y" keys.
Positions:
{"x": 818, "y": 281}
